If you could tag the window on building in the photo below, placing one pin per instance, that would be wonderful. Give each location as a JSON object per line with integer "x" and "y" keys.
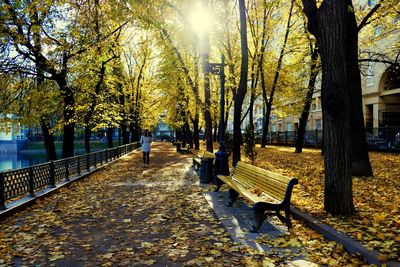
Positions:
{"x": 392, "y": 80}
{"x": 370, "y": 74}
{"x": 288, "y": 127}
{"x": 318, "y": 124}
{"x": 273, "y": 128}
{"x": 314, "y": 106}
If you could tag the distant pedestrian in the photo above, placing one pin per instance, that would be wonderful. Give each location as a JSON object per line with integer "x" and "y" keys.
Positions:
{"x": 145, "y": 142}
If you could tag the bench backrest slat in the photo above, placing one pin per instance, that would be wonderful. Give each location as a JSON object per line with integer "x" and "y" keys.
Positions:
{"x": 208, "y": 155}
{"x": 253, "y": 177}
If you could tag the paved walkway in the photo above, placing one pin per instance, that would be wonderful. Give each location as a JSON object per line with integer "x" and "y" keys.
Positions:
{"x": 129, "y": 215}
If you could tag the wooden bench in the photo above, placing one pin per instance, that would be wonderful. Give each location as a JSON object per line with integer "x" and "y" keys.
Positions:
{"x": 184, "y": 149}
{"x": 270, "y": 192}
{"x": 205, "y": 155}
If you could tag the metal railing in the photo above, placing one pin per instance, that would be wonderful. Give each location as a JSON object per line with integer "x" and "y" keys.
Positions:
{"x": 382, "y": 138}
{"x": 28, "y": 180}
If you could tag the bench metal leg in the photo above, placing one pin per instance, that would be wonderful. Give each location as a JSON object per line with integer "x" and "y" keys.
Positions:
{"x": 285, "y": 219}
{"x": 259, "y": 215}
{"x": 288, "y": 221}
{"x": 218, "y": 182}
{"x": 233, "y": 195}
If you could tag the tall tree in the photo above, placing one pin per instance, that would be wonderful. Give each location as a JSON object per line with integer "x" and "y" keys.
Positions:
{"x": 314, "y": 70}
{"x": 328, "y": 23}
{"x": 21, "y": 20}
{"x": 241, "y": 92}
{"x": 274, "y": 85}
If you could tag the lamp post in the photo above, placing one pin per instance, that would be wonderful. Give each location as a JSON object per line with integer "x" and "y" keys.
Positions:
{"x": 221, "y": 161}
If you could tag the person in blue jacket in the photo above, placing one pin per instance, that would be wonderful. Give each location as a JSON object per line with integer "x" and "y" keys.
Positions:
{"x": 145, "y": 141}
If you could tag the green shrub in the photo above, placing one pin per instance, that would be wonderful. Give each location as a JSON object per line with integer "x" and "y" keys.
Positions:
{"x": 249, "y": 143}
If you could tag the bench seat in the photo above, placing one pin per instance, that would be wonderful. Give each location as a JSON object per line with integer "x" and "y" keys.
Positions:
{"x": 270, "y": 192}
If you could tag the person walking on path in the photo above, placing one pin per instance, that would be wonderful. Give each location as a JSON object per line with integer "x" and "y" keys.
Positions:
{"x": 145, "y": 141}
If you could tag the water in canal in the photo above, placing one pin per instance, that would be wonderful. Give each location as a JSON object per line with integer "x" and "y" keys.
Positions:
{"x": 19, "y": 160}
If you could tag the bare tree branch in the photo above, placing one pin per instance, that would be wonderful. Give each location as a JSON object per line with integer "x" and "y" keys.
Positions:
{"x": 368, "y": 16}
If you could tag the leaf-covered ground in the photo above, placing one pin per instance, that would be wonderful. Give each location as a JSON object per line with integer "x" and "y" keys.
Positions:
{"x": 129, "y": 215}
{"x": 376, "y": 223}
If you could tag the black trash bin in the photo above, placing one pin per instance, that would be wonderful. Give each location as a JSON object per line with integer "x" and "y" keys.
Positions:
{"x": 178, "y": 147}
{"x": 206, "y": 170}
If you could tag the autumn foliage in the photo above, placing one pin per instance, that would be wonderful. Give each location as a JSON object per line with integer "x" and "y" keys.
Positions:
{"x": 376, "y": 223}
{"x": 128, "y": 215}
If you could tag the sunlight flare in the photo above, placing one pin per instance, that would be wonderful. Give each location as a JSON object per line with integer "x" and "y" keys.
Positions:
{"x": 200, "y": 21}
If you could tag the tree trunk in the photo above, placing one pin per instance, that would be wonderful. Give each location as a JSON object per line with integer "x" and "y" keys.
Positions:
{"x": 360, "y": 163}
{"x": 253, "y": 77}
{"x": 48, "y": 139}
{"x": 207, "y": 113}
{"x": 241, "y": 92}
{"x": 135, "y": 133}
{"x": 48, "y": 136}
{"x": 87, "y": 138}
{"x": 265, "y": 100}
{"x": 307, "y": 104}
{"x": 125, "y": 134}
{"x": 189, "y": 136}
{"x": 69, "y": 124}
{"x": 276, "y": 77}
{"x": 215, "y": 131}
{"x": 110, "y": 137}
{"x": 328, "y": 25}
{"x": 196, "y": 138}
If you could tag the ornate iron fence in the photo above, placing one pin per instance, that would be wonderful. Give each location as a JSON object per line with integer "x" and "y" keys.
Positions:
{"x": 26, "y": 181}
{"x": 382, "y": 138}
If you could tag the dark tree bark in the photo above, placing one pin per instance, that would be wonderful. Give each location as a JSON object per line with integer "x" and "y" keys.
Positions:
{"x": 48, "y": 136}
{"x": 215, "y": 131}
{"x": 188, "y": 134}
{"x": 68, "y": 114}
{"x": 314, "y": 69}
{"x": 241, "y": 92}
{"x": 125, "y": 134}
{"x": 329, "y": 25}
{"x": 196, "y": 139}
{"x": 276, "y": 78}
{"x": 93, "y": 103}
{"x": 22, "y": 28}
{"x": 110, "y": 137}
{"x": 360, "y": 163}
{"x": 88, "y": 134}
{"x": 207, "y": 112}
{"x": 195, "y": 120}
{"x": 135, "y": 133}
{"x": 48, "y": 139}
{"x": 231, "y": 86}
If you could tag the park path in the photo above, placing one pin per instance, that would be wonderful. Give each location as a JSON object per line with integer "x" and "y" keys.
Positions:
{"x": 125, "y": 215}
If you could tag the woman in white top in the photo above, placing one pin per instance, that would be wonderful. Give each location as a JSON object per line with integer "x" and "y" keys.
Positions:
{"x": 145, "y": 141}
